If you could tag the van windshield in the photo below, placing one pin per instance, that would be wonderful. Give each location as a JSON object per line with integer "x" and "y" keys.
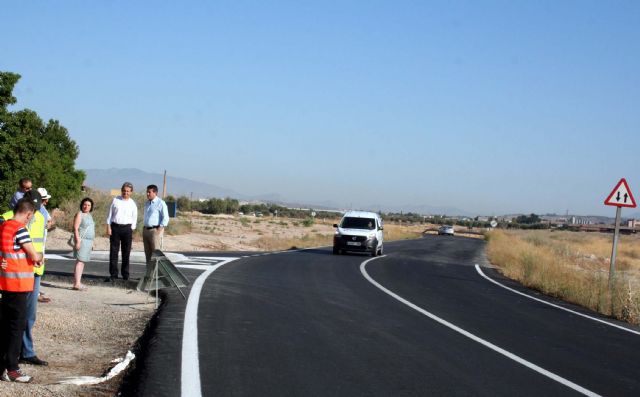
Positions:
{"x": 359, "y": 223}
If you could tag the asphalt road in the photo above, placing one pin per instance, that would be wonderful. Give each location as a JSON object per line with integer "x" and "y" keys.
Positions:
{"x": 308, "y": 323}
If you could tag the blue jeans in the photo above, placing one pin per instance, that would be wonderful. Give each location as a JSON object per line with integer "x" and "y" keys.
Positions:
{"x": 32, "y": 303}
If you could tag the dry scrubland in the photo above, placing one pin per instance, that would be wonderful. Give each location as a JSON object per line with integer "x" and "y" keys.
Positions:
{"x": 194, "y": 231}
{"x": 201, "y": 232}
{"x": 573, "y": 267}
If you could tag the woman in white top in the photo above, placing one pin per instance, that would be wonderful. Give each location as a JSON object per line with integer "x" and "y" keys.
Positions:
{"x": 121, "y": 222}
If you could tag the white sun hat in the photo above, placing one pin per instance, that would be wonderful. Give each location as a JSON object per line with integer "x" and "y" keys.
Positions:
{"x": 43, "y": 192}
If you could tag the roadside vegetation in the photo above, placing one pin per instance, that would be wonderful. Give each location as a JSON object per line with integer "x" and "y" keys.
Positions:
{"x": 33, "y": 149}
{"x": 573, "y": 267}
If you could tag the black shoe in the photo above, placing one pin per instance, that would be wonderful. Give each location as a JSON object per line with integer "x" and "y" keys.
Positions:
{"x": 33, "y": 360}
{"x": 125, "y": 278}
{"x": 109, "y": 279}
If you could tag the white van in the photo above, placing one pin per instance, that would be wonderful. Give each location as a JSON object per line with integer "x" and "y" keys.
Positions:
{"x": 359, "y": 231}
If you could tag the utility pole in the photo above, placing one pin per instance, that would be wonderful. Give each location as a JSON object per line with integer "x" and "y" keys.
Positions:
{"x": 164, "y": 185}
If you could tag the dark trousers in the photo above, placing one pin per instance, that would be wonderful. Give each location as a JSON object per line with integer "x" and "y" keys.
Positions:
{"x": 121, "y": 236}
{"x": 13, "y": 323}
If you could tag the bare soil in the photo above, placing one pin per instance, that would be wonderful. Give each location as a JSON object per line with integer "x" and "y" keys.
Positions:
{"x": 216, "y": 233}
{"x": 79, "y": 333}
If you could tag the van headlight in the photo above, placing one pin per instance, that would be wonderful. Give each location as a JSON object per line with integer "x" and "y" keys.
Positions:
{"x": 371, "y": 236}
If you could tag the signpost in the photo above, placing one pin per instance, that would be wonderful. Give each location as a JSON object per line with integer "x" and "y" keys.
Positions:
{"x": 619, "y": 197}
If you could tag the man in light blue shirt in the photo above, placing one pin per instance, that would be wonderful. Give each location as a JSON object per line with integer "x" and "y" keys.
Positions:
{"x": 156, "y": 218}
{"x": 24, "y": 185}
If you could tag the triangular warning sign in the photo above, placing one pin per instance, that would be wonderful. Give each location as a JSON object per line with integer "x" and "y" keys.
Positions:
{"x": 621, "y": 196}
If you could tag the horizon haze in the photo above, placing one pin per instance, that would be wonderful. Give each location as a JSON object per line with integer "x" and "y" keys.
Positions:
{"x": 490, "y": 107}
{"x": 112, "y": 178}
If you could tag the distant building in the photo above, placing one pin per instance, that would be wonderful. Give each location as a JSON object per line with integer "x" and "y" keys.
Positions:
{"x": 581, "y": 221}
{"x": 633, "y": 223}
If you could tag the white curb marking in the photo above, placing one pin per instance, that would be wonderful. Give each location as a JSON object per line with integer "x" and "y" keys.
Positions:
{"x": 190, "y": 380}
{"x": 479, "y": 270}
{"x": 477, "y": 339}
{"x": 190, "y": 376}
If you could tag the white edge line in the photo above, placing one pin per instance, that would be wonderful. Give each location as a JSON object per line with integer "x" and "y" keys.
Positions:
{"x": 479, "y": 270}
{"x": 190, "y": 376}
{"x": 477, "y": 339}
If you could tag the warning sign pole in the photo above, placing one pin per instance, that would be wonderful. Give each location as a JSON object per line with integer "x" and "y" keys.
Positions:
{"x": 619, "y": 197}
{"x": 616, "y": 235}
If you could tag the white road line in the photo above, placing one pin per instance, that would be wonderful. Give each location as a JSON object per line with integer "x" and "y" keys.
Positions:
{"x": 195, "y": 266}
{"x": 190, "y": 377}
{"x": 56, "y": 256}
{"x": 203, "y": 263}
{"x": 479, "y": 270}
{"x": 477, "y": 339}
{"x": 206, "y": 258}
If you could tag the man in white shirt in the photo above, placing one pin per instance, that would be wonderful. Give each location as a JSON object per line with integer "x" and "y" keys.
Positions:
{"x": 156, "y": 218}
{"x": 121, "y": 222}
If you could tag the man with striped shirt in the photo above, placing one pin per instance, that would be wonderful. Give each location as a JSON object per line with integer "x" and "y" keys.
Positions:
{"x": 16, "y": 281}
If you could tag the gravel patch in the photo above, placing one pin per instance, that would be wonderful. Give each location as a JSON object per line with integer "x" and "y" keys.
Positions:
{"x": 80, "y": 333}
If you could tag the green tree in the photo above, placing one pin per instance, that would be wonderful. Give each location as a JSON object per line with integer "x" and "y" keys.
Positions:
{"x": 184, "y": 204}
{"x": 30, "y": 148}
{"x": 528, "y": 220}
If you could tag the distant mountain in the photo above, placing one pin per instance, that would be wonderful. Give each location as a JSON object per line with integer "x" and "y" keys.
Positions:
{"x": 428, "y": 210}
{"x": 113, "y": 178}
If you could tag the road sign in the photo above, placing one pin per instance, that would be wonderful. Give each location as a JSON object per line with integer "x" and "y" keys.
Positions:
{"x": 621, "y": 196}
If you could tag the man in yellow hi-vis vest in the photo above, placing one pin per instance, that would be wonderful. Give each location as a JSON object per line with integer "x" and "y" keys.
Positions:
{"x": 36, "y": 229}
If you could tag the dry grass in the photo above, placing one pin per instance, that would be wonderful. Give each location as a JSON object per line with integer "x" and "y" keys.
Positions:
{"x": 573, "y": 267}
{"x": 314, "y": 238}
{"x": 394, "y": 232}
{"x": 237, "y": 233}
{"x": 178, "y": 226}
{"x": 275, "y": 243}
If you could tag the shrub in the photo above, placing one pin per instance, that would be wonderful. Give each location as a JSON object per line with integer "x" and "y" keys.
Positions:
{"x": 178, "y": 226}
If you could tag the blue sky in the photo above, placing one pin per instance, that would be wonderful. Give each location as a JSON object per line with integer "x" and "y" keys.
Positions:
{"x": 492, "y": 107}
